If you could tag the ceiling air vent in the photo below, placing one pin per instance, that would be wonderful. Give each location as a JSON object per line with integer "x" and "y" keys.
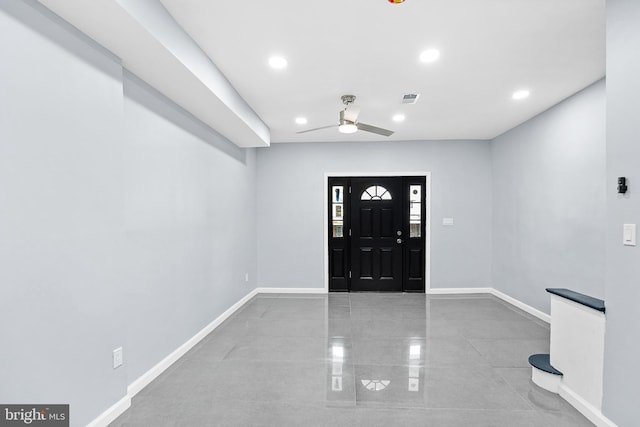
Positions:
{"x": 410, "y": 98}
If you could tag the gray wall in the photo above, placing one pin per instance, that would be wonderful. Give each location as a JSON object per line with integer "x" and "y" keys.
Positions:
{"x": 623, "y": 263}
{"x": 290, "y": 196}
{"x": 123, "y": 221}
{"x": 548, "y": 201}
{"x": 61, "y": 224}
{"x": 189, "y": 218}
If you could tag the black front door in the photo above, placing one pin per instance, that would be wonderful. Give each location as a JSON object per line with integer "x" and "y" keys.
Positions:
{"x": 376, "y": 234}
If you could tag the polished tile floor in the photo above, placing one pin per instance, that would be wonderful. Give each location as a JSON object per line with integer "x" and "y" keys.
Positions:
{"x": 360, "y": 360}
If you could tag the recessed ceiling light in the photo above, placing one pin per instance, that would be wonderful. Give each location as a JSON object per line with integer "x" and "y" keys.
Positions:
{"x": 301, "y": 120}
{"x": 520, "y": 94}
{"x": 399, "y": 118}
{"x": 430, "y": 55}
{"x": 277, "y": 62}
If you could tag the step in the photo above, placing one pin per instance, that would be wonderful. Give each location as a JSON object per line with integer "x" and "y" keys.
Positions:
{"x": 542, "y": 362}
{"x": 543, "y": 374}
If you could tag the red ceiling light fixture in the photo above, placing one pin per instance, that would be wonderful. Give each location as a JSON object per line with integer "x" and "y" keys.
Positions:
{"x": 396, "y": 1}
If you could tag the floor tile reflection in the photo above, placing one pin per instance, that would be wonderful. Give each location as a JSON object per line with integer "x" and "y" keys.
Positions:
{"x": 358, "y": 360}
{"x": 390, "y": 386}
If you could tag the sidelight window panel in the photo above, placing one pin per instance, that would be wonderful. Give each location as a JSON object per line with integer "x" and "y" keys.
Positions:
{"x": 338, "y": 229}
{"x": 415, "y": 211}
{"x": 337, "y": 209}
{"x": 337, "y": 193}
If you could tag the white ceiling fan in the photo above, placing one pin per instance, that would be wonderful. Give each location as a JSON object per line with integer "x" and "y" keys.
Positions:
{"x": 349, "y": 120}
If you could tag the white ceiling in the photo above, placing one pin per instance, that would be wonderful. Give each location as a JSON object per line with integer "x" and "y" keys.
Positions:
{"x": 368, "y": 48}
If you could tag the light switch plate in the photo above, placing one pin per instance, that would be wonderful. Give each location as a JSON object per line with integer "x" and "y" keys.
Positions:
{"x": 117, "y": 357}
{"x": 629, "y": 234}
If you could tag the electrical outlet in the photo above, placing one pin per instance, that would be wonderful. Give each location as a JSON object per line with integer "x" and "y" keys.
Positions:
{"x": 117, "y": 357}
{"x": 246, "y": 277}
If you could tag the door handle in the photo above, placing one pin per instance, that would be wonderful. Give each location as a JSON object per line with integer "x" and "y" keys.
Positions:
{"x": 398, "y": 240}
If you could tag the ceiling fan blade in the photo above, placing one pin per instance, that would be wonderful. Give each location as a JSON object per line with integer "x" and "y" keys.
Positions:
{"x": 351, "y": 113}
{"x": 323, "y": 127}
{"x": 374, "y": 129}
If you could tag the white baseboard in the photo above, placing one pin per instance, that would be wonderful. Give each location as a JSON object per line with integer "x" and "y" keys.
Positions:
{"x": 522, "y": 306}
{"x": 458, "y": 291}
{"x": 144, "y": 380}
{"x": 112, "y": 413}
{"x": 592, "y": 413}
{"x": 291, "y": 290}
{"x": 489, "y": 290}
{"x": 136, "y": 386}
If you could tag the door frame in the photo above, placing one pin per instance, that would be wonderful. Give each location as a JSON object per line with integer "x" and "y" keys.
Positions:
{"x": 427, "y": 240}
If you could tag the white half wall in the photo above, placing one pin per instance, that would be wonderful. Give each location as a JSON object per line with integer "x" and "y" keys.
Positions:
{"x": 577, "y": 348}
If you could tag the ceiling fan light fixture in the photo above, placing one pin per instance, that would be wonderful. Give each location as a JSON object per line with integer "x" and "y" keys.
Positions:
{"x": 349, "y": 123}
{"x": 346, "y": 126}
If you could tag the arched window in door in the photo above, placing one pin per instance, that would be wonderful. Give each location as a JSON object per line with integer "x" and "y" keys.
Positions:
{"x": 376, "y": 192}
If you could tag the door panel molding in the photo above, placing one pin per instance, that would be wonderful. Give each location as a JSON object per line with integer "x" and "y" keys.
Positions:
{"x": 376, "y": 206}
{"x": 427, "y": 240}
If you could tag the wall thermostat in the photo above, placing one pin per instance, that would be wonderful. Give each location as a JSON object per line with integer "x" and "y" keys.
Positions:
{"x": 622, "y": 185}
